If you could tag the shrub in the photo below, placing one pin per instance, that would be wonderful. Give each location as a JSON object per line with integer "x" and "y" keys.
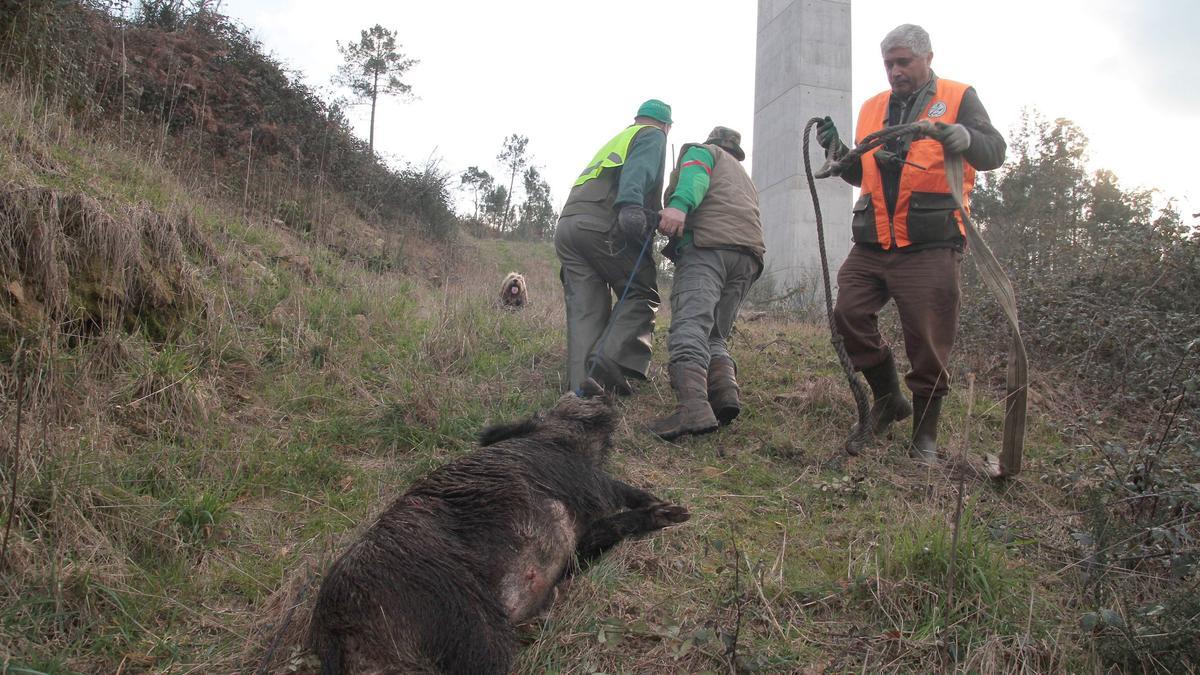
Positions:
{"x": 190, "y": 71}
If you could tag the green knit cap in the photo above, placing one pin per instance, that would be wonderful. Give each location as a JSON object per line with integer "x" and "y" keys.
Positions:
{"x": 655, "y": 109}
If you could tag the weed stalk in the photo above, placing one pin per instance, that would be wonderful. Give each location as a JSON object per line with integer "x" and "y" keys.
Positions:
{"x": 958, "y": 500}
{"x": 10, "y": 511}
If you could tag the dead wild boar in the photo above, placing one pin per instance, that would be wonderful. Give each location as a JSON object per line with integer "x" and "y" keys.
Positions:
{"x": 438, "y": 582}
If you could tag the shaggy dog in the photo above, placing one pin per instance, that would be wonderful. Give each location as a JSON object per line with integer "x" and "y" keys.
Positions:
{"x": 437, "y": 584}
{"x": 513, "y": 292}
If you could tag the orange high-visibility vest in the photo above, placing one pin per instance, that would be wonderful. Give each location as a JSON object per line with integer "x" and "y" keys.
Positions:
{"x": 927, "y": 152}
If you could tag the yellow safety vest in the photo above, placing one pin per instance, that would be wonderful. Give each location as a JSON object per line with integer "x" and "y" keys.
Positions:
{"x": 612, "y": 154}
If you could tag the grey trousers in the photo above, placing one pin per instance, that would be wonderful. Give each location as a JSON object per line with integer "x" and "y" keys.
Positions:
{"x": 709, "y": 286}
{"x": 594, "y": 269}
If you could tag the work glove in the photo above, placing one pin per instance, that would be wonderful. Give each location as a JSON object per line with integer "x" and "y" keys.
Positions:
{"x": 953, "y": 137}
{"x": 827, "y": 133}
{"x": 631, "y": 223}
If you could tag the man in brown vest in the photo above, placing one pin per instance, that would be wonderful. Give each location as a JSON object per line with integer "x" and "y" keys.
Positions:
{"x": 908, "y": 236}
{"x": 717, "y": 245}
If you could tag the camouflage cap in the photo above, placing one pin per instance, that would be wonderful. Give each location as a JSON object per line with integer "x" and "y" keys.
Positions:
{"x": 655, "y": 109}
{"x": 727, "y": 139}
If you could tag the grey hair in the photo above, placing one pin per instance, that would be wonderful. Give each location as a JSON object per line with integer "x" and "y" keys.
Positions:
{"x": 907, "y": 35}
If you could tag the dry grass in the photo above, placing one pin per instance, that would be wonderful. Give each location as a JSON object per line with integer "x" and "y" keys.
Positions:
{"x": 192, "y": 461}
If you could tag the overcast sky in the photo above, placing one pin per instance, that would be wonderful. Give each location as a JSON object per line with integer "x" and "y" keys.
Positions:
{"x": 570, "y": 75}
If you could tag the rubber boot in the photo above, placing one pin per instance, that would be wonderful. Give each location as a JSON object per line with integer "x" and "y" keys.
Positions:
{"x": 608, "y": 374}
{"x": 890, "y": 405}
{"x": 723, "y": 390}
{"x": 692, "y": 415}
{"x": 926, "y": 412}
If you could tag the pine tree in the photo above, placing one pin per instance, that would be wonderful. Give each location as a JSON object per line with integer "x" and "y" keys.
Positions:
{"x": 372, "y": 68}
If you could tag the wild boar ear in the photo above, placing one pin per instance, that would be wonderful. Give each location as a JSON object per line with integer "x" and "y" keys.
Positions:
{"x": 499, "y": 432}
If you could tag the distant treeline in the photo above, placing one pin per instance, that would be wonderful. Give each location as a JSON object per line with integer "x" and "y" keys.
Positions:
{"x": 1108, "y": 278}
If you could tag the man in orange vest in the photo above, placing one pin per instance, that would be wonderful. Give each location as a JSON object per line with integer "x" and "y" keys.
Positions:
{"x": 908, "y": 237}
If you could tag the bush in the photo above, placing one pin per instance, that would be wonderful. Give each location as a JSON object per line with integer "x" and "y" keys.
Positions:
{"x": 189, "y": 70}
{"x": 1138, "y": 549}
{"x": 1108, "y": 286}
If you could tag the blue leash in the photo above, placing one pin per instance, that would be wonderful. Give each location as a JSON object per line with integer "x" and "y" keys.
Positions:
{"x": 608, "y": 328}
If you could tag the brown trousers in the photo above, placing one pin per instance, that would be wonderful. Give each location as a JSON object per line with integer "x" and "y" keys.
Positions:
{"x": 926, "y": 289}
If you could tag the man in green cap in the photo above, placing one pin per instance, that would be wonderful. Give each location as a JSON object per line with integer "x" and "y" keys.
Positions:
{"x": 599, "y": 239}
{"x": 717, "y": 246}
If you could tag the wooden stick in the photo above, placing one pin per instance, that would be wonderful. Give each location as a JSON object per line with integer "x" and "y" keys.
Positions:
{"x": 958, "y": 503}
{"x": 16, "y": 454}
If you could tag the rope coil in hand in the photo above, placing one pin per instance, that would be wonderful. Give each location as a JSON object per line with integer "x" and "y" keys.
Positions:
{"x": 861, "y": 400}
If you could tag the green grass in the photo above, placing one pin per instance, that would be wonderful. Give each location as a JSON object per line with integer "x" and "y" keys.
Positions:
{"x": 172, "y": 499}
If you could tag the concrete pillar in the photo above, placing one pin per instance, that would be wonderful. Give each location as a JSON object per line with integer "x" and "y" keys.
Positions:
{"x": 802, "y": 71}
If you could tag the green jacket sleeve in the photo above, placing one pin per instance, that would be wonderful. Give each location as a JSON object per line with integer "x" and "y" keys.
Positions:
{"x": 694, "y": 170}
{"x": 643, "y": 168}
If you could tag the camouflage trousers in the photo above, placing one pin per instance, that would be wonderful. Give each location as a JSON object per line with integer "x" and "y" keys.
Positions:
{"x": 709, "y": 286}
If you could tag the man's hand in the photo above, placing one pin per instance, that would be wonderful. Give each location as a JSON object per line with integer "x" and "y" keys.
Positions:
{"x": 670, "y": 221}
{"x": 631, "y": 221}
{"x": 827, "y": 133}
{"x": 925, "y": 129}
{"x": 953, "y": 137}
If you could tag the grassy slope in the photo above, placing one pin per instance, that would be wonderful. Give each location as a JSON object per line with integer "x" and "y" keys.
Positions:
{"x": 159, "y": 528}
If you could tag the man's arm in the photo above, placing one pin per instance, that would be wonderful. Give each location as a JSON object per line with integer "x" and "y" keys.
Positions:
{"x": 643, "y": 167}
{"x": 695, "y": 168}
{"x": 827, "y": 136}
{"x": 853, "y": 173}
{"x": 987, "y": 149}
{"x": 694, "y": 171}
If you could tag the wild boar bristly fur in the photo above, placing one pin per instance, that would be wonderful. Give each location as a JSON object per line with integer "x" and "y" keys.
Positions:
{"x": 438, "y": 582}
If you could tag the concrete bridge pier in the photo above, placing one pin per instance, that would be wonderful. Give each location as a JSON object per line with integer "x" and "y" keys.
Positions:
{"x": 802, "y": 71}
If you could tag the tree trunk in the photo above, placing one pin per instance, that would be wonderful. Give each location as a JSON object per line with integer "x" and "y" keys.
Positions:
{"x": 512, "y": 183}
{"x": 374, "y": 98}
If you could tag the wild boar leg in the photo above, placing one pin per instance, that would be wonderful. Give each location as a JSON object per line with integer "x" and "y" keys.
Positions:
{"x": 631, "y": 497}
{"x": 607, "y": 532}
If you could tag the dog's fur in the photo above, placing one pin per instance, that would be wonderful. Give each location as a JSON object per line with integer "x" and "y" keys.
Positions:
{"x": 510, "y": 298}
{"x": 438, "y": 582}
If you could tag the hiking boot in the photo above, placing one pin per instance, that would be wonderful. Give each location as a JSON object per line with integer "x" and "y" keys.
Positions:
{"x": 890, "y": 405}
{"x": 926, "y": 412}
{"x": 692, "y": 414}
{"x": 608, "y": 374}
{"x": 723, "y": 390}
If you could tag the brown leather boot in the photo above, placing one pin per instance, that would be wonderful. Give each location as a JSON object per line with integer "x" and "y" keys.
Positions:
{"x": 926, "y": 412}
{"x": 723, "y": 390}
{"x": 890, "y": 405}
{"x": 692, "y": 415}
